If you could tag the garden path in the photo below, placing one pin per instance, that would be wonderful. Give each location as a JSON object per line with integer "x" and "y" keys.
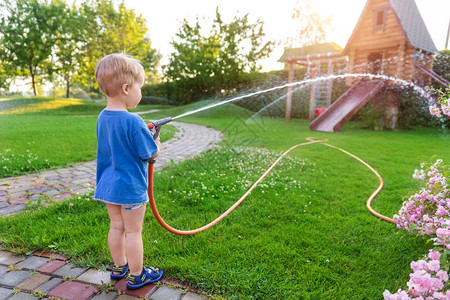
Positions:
{"x": 190, "y": 140}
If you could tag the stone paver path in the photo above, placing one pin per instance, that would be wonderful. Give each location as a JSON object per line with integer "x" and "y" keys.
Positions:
{"x": 46, "y": 275}
{"x": 189, "y": 141}
{"x": 51, "y": 275}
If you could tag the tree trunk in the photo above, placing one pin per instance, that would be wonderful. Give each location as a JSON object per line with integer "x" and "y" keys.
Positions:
{"x": 68, "y": 85}
{"x": 33, "y": 81}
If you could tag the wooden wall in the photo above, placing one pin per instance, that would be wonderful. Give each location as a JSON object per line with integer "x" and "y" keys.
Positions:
{"x": 390, "y": 42}
{"x": 366, "y": 37}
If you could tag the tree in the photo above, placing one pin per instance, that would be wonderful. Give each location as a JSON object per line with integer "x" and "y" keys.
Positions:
{"x": 6, "y": 75}
{"x": 28, "y": 35}
{"x": 4, "y": 78}
{"x": 113, "y": 30}
{"x": 204, "y": 63}
{"x": 308, "y": 26}
{"x": 48, "y": 37}
{"x": 442, "y": 64}
{"x": 70, "y": 41}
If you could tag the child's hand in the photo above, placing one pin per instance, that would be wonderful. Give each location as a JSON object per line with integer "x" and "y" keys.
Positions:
{"x": 158, "y": 142}
{"x": 153, "y": 134}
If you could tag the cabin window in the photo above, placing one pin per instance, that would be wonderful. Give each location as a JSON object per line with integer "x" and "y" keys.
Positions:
{"x": 380, "y": 19}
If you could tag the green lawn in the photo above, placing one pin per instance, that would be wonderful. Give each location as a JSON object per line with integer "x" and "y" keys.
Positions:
{"x": 39, "y": 133}
{"x": 303, "y": 233}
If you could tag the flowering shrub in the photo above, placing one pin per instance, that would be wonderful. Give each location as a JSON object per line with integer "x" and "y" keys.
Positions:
{"x": 428, "y": 209}
{"x": 427, "y": 281}
{"x": 443, "y": 105}
{"x": 427, "y": 212}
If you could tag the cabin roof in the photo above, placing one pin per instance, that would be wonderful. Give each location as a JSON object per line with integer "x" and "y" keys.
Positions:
{"x": 312, "y": 49}
{"x": 411, "y": 22}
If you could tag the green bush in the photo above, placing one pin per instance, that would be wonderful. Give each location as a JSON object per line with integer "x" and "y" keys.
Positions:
{"x": 412, "y": 111}
{"x": 441, "y": 65}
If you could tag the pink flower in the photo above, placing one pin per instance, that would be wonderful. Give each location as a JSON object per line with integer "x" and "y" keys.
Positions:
{"x": 434, "y": 265}
{"x": 400, "y": 295}
{"x": 434, "y": 255}
{"x": 427, "y": 219}
{"x": 403, "y": 295}
{"x": 443, "y": 275}
{"x": 437, "y": 284}
{"x": 423, "y": 264}
{"x": 442, "y": 232}
{"x": 419, "y": 174}
{"x": 445, "y": 106}
{"x": 434, "y": 111}
{"x": 441, "y": 211}
{"x": 388, "y": 296}
{"x": 415, "y": 266}
{"x": 439, "y": 295}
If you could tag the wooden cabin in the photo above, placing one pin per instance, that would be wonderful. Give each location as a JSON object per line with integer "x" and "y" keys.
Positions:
{"x": 389, "y": 38}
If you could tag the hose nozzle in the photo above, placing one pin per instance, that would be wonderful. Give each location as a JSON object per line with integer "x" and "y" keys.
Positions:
{"x": 155, "y": 127}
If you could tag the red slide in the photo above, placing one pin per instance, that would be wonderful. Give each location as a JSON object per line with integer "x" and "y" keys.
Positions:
{"x": 346, "y": 106}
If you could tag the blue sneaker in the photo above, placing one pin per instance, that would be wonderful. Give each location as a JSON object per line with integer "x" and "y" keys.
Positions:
{"x": 123, "y": 270}
{"x": 148, "y": 275}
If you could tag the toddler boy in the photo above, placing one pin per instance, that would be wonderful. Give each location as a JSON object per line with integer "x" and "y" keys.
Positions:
{"x": 124, "y": 144}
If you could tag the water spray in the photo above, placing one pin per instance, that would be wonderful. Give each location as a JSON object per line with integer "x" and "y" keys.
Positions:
{"x": 273, "y": 103}
{"x": 369, "y": 76}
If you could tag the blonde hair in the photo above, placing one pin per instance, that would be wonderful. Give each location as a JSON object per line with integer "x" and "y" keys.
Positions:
{"x": 115, "y": 70}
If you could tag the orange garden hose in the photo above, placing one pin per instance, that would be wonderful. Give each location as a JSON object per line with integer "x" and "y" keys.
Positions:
{"x": 375, "y": 193}
{"x": 236, "y": 204}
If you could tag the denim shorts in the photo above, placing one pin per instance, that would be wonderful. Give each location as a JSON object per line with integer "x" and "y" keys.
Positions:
{"x": 133, "y": 206}
{"x": 126, "y": 206}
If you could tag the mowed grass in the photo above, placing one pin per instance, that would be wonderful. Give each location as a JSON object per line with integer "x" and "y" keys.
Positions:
{"x": 304, "y": 233}
{"x": 41, "y": 133}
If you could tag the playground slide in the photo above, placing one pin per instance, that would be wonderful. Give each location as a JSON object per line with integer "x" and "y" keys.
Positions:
{"x": 346, "y": 106}
{"x": 439, "y": 79}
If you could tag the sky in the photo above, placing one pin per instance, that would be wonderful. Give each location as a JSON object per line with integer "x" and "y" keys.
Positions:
{"x": 164, "y": 19}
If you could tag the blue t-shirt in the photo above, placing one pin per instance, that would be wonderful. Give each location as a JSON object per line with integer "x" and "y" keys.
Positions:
{"x": 124, "y": 144}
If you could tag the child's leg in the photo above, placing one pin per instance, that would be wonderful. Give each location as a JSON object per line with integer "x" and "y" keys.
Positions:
{"x": 116, "y": 236}
{"x": 133, "y": 221}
